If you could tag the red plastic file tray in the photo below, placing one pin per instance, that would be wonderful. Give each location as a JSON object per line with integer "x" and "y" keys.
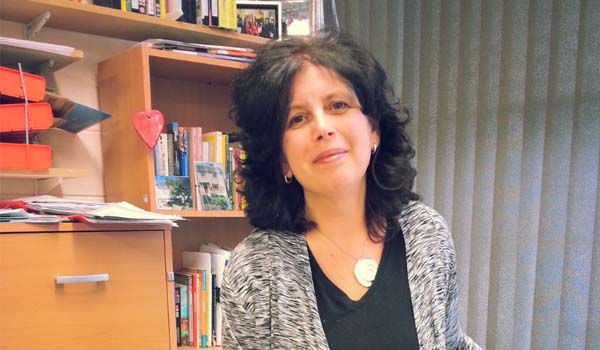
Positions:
{"x": 10, "y": 85}
{"x": 12, "y": 117}
{"x": 25, "y": 156}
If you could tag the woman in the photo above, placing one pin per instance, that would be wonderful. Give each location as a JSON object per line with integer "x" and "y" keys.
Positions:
{"x": 343, "y": 256}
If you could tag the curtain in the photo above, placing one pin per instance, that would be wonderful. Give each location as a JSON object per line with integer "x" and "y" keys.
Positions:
{"x": 506, "y": 103}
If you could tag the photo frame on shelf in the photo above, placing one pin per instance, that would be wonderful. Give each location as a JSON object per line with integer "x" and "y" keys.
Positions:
{"x": 259, "y": 18}
{"x": 299, "y": 17}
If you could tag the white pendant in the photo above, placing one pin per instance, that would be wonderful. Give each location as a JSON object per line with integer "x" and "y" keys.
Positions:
{"x": 365, "y": 271}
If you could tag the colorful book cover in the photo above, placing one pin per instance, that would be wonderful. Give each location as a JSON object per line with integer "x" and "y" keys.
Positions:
{"x": 184, "y": 281}
{"x": 173, "y": 193}
{"x": 211, "y": 186}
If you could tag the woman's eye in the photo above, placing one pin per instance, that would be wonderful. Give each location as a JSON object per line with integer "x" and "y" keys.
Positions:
{"x": 339, "y": 105}
{"x": 296, "y": 120}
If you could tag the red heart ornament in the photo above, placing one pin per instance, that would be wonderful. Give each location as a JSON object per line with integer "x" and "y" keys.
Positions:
{"x": 149, "y": 125}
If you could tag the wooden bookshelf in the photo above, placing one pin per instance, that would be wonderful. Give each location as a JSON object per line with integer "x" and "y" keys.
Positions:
{"x": 36, "y": 60}
{"x": 40, "y": 175}
{"x": 98, "y": 20}
{"x": 192, "y": 90}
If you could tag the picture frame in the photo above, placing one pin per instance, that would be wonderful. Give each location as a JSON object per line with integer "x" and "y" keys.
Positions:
{"x": 299, "y": 18}
{"x": 259, "y": 18}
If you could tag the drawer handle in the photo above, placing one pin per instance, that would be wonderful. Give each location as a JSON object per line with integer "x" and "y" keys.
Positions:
{"x": 101, "y": 277}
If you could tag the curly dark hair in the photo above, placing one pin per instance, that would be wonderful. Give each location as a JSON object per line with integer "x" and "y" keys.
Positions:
{"x": 260, "y": 104}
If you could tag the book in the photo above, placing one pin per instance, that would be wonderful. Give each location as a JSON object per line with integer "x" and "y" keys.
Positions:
{"x": 215, "y": 145}
{"x": 182, "y": 151}
{"x": 173, "y": 193}
{"x": 178, "y": 313}
{"x": 200, "y": 263}
{"x": 184, "y": 281}
{"x": 174, "y": 9}
{"x": 115, "y": 4}
{"x": 202, "y": 12}
{"x": 173, "y": 145}
{"x": 219, "y": 259}
{"x": 194, "y": 282}
{"x": 211, "y": 188}
{"x": 161, "y": 154}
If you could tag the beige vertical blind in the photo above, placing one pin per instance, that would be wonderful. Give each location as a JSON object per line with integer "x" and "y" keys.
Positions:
{"x": 506, "y": 104}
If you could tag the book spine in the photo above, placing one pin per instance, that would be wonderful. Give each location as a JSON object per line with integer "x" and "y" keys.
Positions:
{"x": 183, "y": 142}
{"x": 161, "y": 8}
{"x": 214, "y": 13}
{"x": 196, "y": 310}
{"x": 170, "y": 155}
{"x": 173, "y": 131}
{"x": 178, "y": 313}
{"x": 213, "y": 312}
{"x": 184, "y": 281}
{"x": 202, "y": 13}
{"x": 151, "y": 7}
{"x": 163, "y": 154}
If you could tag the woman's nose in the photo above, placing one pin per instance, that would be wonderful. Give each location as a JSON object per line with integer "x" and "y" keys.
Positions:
{"x": 323, "y": 126}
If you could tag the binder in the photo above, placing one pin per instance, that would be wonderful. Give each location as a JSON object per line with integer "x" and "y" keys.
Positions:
{"x": 39, "y": 115}
{"x": 10, "y": 85}
{"x": 20, "y": 156}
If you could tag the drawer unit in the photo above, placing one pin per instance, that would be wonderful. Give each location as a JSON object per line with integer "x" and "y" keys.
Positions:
{"x": 95, "y": 288}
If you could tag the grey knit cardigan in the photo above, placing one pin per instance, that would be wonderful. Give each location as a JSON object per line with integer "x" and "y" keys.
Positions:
{"x": 269, "y": 302}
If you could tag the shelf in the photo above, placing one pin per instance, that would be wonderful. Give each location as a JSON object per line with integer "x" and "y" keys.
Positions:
{"x": 98, "y": 20}
{"x": 169, "y": 64}
{"x": 204, "y": 214}
{"x": 36, "y": 60}
{"x": 39, "y": 175}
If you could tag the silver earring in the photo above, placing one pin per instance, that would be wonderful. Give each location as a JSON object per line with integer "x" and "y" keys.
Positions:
{"x": 287, "y": 180}
{"x": 374, "y": 148}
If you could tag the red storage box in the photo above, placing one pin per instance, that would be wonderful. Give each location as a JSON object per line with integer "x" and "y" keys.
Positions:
{"x": 12, "y": 117}
{"x": 25, "y": 156}
{"x": 10, "y": 85}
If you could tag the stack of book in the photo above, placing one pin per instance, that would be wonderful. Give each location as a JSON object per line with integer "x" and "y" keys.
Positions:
{"x": 196, "y": 170}
{"x": 216, "y": 51}
{"x": 217, "y": 13}
{"x": 198, "y": 312}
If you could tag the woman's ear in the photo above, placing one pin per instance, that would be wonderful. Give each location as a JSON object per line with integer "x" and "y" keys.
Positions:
{"x": 286, "y": 170}
{"x": 375, "y": 139}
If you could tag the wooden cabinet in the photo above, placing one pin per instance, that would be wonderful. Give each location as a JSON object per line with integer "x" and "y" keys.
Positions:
{"x": 191, "y": 90}
{"x": 132, "y": 308}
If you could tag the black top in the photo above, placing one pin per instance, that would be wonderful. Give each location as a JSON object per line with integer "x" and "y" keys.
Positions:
{"x": 382, "y": 319}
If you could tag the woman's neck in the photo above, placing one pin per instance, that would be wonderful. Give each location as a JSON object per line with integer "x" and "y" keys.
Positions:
{"x": 341, "y": 216}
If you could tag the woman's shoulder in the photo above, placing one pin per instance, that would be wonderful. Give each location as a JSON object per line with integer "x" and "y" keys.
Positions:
{"x": 264, "y": 241}
{"x": 424, "y": 227}
{"x": 416, "y": 214}
{"x": 255, "y": 251}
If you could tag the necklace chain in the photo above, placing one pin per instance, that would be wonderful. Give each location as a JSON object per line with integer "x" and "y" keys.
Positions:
{"x": 339, "y": 247}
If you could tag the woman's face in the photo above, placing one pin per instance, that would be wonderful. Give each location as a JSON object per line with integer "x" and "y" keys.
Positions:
{"x": 327, "y": 140}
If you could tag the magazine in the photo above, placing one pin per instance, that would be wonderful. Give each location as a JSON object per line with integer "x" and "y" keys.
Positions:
{"x": 211, "y": 186}
{"x": 173, "y": 193}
